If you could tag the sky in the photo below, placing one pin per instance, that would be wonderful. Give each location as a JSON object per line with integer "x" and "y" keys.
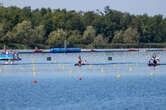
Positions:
{"x": 151, "y": 7}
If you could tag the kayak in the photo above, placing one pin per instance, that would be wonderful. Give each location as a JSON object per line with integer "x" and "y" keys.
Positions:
{"x": 81, "y": 64}
{"x": 152, "y": 64}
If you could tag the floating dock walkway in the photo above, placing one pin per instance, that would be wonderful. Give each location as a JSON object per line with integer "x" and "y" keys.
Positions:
{"x": 78, "y": 50}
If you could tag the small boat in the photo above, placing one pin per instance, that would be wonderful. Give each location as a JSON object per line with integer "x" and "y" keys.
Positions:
{"x": 153, "y": 64}
{"x": 79, "y": 64}
{"x": 9, "y": 56}
{"x": 83, "y": 63}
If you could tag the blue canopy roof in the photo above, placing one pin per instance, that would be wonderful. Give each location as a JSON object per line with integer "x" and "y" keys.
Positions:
{"x": 6, "y": 56}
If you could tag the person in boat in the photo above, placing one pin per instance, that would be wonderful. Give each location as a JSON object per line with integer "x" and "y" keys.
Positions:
{"x": 158, "y": 59}
{"x": 86, "y": 62}
{"x": 154, "y": 60}
{"x": 79, "y": 60}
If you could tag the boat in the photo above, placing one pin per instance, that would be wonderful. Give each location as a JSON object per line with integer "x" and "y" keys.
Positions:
{"x": 79, "y": 64}
{"x": 9, "y": 56}
{"x": 153, "y": 64}
{"x": 83, "y": 63}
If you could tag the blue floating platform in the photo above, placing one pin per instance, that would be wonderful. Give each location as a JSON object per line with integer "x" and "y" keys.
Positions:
{"x": 64, "y": 50}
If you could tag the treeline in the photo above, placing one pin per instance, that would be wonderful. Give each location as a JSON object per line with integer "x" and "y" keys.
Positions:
{"x": 46, "y": 28}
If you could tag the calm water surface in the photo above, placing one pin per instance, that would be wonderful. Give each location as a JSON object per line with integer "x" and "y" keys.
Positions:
{"x": 125, "y": 83}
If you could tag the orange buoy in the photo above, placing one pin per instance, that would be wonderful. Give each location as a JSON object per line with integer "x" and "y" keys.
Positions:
{"x": 132, "y": 49}
{"x": 37, "y": 50}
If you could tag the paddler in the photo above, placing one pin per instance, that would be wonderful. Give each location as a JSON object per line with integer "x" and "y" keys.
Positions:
{"x": 79, "y": 60}
{"x": 155, "y": 59}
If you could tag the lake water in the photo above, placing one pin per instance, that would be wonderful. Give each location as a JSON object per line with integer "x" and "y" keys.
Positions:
{"x": 125, "y": 83}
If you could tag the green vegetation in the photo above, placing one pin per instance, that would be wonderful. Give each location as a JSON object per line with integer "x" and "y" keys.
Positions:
{"x": 46, "y": 28}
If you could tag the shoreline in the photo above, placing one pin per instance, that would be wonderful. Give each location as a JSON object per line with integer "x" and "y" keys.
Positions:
{"x": 24, "y": 51}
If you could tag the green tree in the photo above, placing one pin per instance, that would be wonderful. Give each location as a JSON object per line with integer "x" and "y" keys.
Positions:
{"x": 36, "y": 18}
{"x": 8, "y": 38}
{"x": 163, "y": 30}
{"x": 27, "y": 12}
{"x": 131, "y": 36}
{"x": 73, "y": 21}
{"x": 48, "y": 24}
{"x": 145, "y": 28}
{"x": 74, "y": 39}
{"x": 39, "y": 33}
{"x": 118, "y": 37}
{"x": 99, "y": 25}
{"x": 22, "y": 33}
{"x": 59, "y": 19}
{"x": 99, "y": 41}
{"x": 88, "y": 18}
{"x": 31, "y": 27}
{"x": 2, "y": 32}
{"x": 113, "y": 23}
{"x": 156, "y": 23}
{"x": 56, "y": 38}
{"x": 89, "y": 35}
